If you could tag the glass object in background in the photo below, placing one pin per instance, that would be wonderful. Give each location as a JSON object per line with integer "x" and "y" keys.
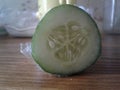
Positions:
{"x": 19, "y": 17}
{"x": 112, "y": 16}
{"x": 21, "y": 23}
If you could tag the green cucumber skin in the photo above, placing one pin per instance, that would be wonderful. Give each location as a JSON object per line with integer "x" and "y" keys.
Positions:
{"x": 64, "y": 74}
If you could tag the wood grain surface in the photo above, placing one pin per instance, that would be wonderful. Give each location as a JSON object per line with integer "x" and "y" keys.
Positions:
{"x": 17, "y": 72}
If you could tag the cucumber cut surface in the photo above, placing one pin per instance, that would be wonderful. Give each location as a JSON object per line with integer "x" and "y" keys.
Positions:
{"x": 66, "y": 41}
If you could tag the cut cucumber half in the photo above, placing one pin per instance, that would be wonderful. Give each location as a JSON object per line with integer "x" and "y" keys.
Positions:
{"x": 66, "y": 41}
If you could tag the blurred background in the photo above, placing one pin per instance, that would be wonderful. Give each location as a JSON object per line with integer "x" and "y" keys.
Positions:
{"x": 19, "y": 17}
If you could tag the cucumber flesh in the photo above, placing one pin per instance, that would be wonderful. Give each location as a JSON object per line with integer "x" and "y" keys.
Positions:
{"x": 66, "y": 41}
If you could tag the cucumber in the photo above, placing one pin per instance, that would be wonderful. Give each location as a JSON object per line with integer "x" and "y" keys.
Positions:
{"x": 66, "y": 41}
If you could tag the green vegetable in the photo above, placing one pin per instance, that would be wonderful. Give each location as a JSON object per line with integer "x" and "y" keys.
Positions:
{"x": 67, "y": 41}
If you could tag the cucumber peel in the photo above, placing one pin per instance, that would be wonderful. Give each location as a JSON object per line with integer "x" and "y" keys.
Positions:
{"x": 66, "y": 41}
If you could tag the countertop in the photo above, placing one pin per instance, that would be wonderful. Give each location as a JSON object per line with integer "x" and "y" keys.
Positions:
{"x": 17, "y": 72}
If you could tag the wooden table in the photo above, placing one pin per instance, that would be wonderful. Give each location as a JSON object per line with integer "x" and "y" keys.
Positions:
{"x": 17, "y": 72}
